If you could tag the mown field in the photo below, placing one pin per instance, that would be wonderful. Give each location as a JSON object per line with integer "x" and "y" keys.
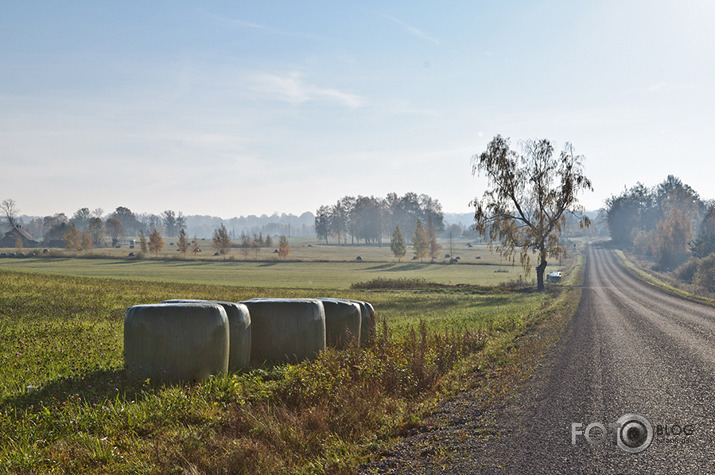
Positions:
{"x": 314, "y": 267}
{"x": 307, "y": 275}
{"x": 67, "y": 405}
{"x": 301, "y": 249}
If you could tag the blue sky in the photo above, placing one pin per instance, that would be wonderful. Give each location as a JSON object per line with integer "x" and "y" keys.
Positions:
{"x": 236, "y": 108}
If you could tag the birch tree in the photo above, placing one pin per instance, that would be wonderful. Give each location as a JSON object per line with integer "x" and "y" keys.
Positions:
{"x": 522, "y": 211}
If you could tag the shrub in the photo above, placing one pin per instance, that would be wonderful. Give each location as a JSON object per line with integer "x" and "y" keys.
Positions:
{"x": 642, "y": 243}
{"x": 704, "y": 278}
{"x": 686, "y": 272}
{"x": 703, "y": 245}
{"x": 402, "y": 283}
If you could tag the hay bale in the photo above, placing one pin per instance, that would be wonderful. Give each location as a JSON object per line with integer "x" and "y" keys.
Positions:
{"x": 286, "y": 330}
{"x": 175, "y": 342}
{"x": 367, "y": 322}
{"x": 343, "y": 320}
{"x": 239, "y": 326}
{"x": 371, "y": 323}
{"x": 368, "y": 325}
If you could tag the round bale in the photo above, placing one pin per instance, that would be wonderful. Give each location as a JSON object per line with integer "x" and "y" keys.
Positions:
{"x": 367, "y": 327}
{"x": 175, "y": 342}
{"x": 286, "y": 330}
{"x": 239, "y": 326}
{"x": 343, "y": 319}
{"x": 367, "y": 323}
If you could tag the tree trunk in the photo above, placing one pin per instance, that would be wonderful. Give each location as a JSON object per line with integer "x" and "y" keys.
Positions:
{"x": 540, "y": 275}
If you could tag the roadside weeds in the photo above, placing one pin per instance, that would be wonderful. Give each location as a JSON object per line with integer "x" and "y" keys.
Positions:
{"x": 469, "y": 431}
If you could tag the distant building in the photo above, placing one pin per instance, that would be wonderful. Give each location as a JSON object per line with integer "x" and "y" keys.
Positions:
{"x": 11, "y": 238}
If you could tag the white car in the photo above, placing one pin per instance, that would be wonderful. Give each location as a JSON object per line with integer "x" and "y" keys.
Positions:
{"x": 553, "y": 277}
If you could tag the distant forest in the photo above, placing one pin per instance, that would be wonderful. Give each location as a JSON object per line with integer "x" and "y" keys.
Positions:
{"x": 370, "y": 219}
{"x": 668, "y": 223}
{"x": 124, "y": 223}
{"x": 169, "y": 223}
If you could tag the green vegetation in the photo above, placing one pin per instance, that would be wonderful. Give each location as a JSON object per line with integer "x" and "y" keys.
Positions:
{"x": 67, "y": 405}
{"x": 671, "y": 287}
{"x": 276, "y": 273}
{"x": 660, "y": 223}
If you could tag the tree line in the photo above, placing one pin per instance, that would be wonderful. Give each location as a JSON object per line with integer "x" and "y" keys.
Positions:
{"x": 670, "y": 224}
{"x": 370, "y": 219}
{"x": 87, "y": 229}
{"x": 91, "y": 225}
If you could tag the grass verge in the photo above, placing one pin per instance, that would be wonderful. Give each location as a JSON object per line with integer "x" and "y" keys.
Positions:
{"x": 653, "y": 280}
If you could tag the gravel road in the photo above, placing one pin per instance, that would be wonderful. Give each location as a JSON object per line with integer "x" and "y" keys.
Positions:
{"x": 633, "y": 356}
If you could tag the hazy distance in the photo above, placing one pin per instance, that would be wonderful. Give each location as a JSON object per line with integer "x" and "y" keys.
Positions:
{"x": 232, "y": 109}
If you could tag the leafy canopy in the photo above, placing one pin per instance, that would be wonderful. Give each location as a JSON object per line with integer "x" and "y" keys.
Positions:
{"x": 523, "y": 209}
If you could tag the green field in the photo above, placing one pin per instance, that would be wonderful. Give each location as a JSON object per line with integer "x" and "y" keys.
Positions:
{"x": 307, "y": 275}
{"x": 67, "y": 405}
{"x": 311, "y": 266}
{"x": 304, "y": 249}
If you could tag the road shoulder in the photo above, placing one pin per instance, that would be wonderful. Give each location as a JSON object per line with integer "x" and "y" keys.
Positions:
{"x": 481, "y": 429}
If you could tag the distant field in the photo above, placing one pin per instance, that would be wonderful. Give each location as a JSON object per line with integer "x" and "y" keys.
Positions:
{"x": 320, "y": 266}
{"x": 305, "y": 275}
{"x": 304, "y": 248}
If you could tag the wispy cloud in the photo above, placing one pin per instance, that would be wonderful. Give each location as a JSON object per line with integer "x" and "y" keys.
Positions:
{"x": 412, "y": 29}
{"x": 294, "y": 89}
{"x": 664, "y": 86}
{"x": 232, "y": 21}
{"x": 245, "y": 23}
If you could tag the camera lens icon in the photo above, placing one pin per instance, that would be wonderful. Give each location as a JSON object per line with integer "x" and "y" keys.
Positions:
{"x": 635, "y": 433}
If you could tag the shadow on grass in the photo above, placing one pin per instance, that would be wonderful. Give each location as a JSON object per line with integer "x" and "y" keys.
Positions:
{"x": 94, "y": 387}
{"x": 119, "y": 262}
{"x": 382, "y": 266}
{"x": 406, "y": 267}
{"x": 269, "y": 264}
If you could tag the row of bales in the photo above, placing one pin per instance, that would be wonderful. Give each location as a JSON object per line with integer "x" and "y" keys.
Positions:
{"x": 17, "y": 254}
{"x": 190, "y": 340}
{"x": 21, "y": 254}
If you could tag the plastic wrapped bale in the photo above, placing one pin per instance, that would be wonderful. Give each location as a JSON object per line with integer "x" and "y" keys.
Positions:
{"x": 371, "y": 332}
{"x": 286, "y": 330}
{"x": 173, "y": 342}
{"x": 343, "y": 320}
{"x": 239, "y": 326}
{"x": 367, "y": 325}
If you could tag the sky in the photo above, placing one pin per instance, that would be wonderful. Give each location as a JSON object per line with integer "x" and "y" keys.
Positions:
{"x": 236, "y": 108}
